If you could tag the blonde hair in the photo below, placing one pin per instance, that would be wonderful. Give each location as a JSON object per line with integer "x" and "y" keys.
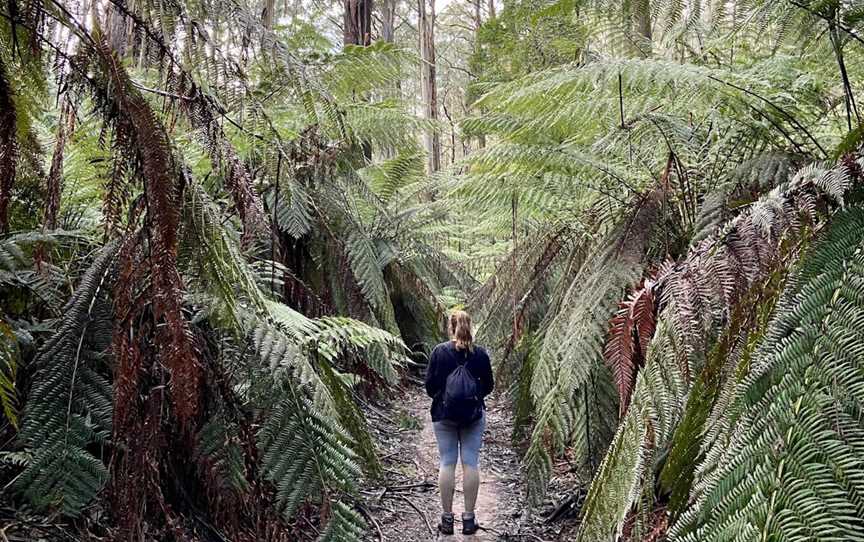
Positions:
{"x": 460, "y": 330}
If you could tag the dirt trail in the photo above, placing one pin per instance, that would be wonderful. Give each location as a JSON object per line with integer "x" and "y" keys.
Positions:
{"x": 405, "y": 507}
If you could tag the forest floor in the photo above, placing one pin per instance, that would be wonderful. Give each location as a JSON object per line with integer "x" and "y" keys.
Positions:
{"x": 404, "y": 506}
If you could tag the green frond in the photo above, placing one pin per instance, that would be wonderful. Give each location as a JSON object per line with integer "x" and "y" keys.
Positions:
{"x": 291, "y": 208}
{"x": 345, "y": 525}
{"x": 389, "y": 176}
{"x": 786, "y": 471}
{"x": 304, "y": 453}
{"x": 8, "y": 373}
{"x": 352, "y": 419}
{"x": 360, "y": 69}
{"x": 643, "y": 434}
{"x": 214, "y": 262}
{"x": 18, "y": 267}
{"x": 367, "y": 268}
{"x": 571, "y": 385}
{"x": 70, "y": 406}
{"x": 219, "y": 449}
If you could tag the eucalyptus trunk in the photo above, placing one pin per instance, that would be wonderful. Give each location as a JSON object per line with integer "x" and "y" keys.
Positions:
{"x": 388, "y": 20}
{"x": 357, "y": 28}
{"x": 428, "y": 87}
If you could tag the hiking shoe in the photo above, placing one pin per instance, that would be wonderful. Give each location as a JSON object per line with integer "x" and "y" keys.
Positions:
{"x": 446, "y": 525}
{"x": 469, "y": 525}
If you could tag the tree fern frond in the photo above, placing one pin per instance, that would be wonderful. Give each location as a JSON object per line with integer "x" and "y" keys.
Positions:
{"x": 8, "y": 373}
{"x": 790, "y": 423}
{"x": 630, "y": 332}
{"x": 351, "y": 418}
{"x": 215, "y": 264}
{"x": 746, "y": 182}
{"x": 218, "y": 448}
{"x": 304, "y": 454}
{"x": 392, "y": 174}
{"x": 365, "y": 266}
{"x": 566, "y": 386}
{"x": 345, "y": 525}
{"x": 70, "y": 405}
{"x": 645, "y": 430}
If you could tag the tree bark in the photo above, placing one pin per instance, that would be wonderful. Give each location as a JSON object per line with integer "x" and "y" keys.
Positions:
{"x": 388, "y": 20}
{"x": 428, "y": 87}
{"x": 357, "y": 27}
{"x": 8, "y": 146}
{"x": 268, "y": 16}
{"x": 478, "y": 22}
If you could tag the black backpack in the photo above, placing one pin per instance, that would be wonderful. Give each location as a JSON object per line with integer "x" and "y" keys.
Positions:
{"x": 462, "y": 401}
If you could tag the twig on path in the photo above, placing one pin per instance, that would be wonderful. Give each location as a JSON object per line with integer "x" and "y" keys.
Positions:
{"x": 366, "y": 512}
{"x": 424, "y": 484}
{"x": 506, "y": 535}
{"x": 414, "y": 506}
{"x": 419, "y": 468}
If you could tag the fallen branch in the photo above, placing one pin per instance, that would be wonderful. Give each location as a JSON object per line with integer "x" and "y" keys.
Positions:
{"x": 388, "y": 489}
{"x": 507, "y": 536}
{"x": 368, "y": 514}
{"x": 414, "y": 506}
{"x": 424, "y": 484}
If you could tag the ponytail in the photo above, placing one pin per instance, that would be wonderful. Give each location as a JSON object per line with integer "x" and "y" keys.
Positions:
{"x": 460, "y": 330}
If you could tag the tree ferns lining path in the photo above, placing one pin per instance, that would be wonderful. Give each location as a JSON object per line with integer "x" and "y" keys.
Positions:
{"x": 223, "y": 234}
{"x": 406, "y": 505}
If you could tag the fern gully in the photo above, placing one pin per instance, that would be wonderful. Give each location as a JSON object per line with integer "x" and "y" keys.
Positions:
{"x": 224, "y": 234}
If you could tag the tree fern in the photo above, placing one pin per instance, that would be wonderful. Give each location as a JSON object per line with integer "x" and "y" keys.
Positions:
{"x": 700, "y": 300}
{"x": 644, "y": 432}
{"x": 570, "y": 386}
{"x": 793, "y": 423}
{"x": 69, "y": 406}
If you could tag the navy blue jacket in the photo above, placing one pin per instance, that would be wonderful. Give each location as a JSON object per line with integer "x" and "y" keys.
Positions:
{"x": 443, "y": 361}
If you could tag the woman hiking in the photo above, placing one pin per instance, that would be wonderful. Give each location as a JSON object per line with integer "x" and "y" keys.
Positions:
{"x": 458, "y": 378}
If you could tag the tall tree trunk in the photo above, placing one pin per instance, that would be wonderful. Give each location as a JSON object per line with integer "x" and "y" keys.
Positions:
{"x": 8, "y": 146}
{"x": 478, "y": 22}
{"x": 491, "y": 9}
{"x": 388, "y": 20}
{"x": 269, "y": 14}
{"x": 357, "y": 28}
{"x": 428, "y": 88}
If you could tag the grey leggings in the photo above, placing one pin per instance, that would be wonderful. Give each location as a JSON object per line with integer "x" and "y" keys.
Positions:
{"x": 454, "y": 441}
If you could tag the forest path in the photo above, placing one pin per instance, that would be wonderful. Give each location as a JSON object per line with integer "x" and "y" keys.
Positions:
{"x": 405, "y": 505}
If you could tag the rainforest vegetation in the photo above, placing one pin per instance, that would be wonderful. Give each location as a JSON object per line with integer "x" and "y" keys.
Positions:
{"x": 229, "y": 228}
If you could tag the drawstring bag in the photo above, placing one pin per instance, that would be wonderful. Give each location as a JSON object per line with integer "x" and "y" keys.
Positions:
{"x": 462, "y": 402}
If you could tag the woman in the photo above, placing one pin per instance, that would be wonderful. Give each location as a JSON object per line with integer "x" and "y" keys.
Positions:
{"x": 458, "y": 416}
